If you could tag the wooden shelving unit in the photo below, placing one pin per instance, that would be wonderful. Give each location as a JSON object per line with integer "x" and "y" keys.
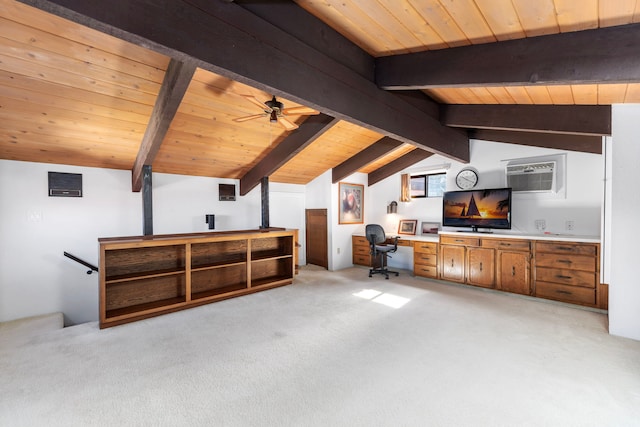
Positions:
{"x": 141, "y": 277}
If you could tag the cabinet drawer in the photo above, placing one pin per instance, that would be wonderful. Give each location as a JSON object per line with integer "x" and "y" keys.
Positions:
{"x": 573, "y": 262}
{"x": 567, "y": 277}
{"x": 425, "y": 259}
{"x": 465, "y": 241}
{"x": 360, "y": 240}
{"x": 566, "y": 248}
{"x": 426, "y": 271}
{"x": 361, "y": 250}
{"x": 517, "y": 245}
{"x": 401, "y": 242}
{"x": 425, "y": 247}
{"x": 565, "y": 293}
{"x": 362, "y": 259}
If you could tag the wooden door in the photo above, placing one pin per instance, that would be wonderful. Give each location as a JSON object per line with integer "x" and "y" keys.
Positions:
{"x": 452, "y": 263}
{"x": 316, "y": 240}
{"x": 514, "y": 272}
{"x": 481, "y": 267}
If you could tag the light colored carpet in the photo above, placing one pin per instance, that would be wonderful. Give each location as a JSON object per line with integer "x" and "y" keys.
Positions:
{"x": 315, "y": 354}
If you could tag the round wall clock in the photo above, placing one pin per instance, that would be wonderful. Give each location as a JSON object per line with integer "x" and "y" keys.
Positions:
{"x": 467, "y": 179}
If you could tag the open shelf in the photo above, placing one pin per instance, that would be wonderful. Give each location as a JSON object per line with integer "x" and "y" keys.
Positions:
{"x": 274, "y": 269}
{"x": 146, "y": 293}
{"x": 131, "y": 277}
{"x": 271, "y": 281}
{"x": 212, "y": 281}
{"x": 141, "y": 261}
{"x": 271, "y": 247}
{"x": 214, "y": 254}
{"x": 144, "y": 277}
{"x": 144, "y": 308}
{"x": 218, "y": 292}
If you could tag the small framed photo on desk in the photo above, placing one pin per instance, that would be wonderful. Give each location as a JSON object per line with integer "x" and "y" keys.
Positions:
{"x": 430, "y": 227}
{"x": 407, "y": 226}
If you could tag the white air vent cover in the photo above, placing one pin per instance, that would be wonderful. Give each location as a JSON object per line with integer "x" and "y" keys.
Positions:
{"x": 532, "y": 177}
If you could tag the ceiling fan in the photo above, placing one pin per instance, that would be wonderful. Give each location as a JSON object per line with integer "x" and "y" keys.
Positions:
{"x": 276, "y": 112}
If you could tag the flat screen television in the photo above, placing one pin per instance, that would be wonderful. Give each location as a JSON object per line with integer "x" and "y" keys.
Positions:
{"x": 489, "y": 208}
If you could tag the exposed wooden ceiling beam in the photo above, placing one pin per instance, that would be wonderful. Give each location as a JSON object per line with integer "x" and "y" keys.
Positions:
{"x": 175, "y": 84}
{"x": 364, "y": 157}
{"x": 309, "y": 131}
{"x": 605, "y": 55}
{"x": 229, "y": 40}
{"x": 567, "y": 119}
{"x": 581, "y": 143}
{"x": 397, "y": 165}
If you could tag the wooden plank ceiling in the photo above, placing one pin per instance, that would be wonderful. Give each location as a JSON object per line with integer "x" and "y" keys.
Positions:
{"x": 74, "y": 95}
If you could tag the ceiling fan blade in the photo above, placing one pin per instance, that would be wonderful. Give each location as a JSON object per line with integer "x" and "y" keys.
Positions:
{"x": 245, "y": 118}
{"x": 288, "y": 125}
{"x": 300, "y": 110}
{"x": 255, "y": 100}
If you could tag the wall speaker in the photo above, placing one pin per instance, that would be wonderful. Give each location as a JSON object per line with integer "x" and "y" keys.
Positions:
{"x": 227, "y": 192}
{"x": 65, "y": 184}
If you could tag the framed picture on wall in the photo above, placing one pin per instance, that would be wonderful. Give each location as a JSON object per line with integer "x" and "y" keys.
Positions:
{"x": 407, "y": 226}
{"x": 351, "y": 203}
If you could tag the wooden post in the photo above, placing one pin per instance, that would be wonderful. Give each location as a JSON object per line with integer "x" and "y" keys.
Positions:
{"x": 264, "y": 188}
{"x": 147, "y": 202}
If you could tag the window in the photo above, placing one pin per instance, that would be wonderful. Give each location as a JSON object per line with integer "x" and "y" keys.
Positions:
{"x": 428, "y": 185}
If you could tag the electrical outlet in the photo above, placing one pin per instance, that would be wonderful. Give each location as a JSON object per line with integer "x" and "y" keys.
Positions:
{"x": 338, "y": 251}
{"x": 34, "y": 216}
{"x": 541, "y": 224}
{"x": 569, "y": 225}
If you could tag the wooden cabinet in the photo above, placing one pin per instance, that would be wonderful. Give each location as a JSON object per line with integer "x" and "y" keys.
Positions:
{"x": 425, "y": 259}
{"x": 514, "y": 271}
{"x": 452, "y": 263}
{"x": 488, "y": 262}
{"x": 361, "y": 250}
{"x": 481, "y": 267}
{"x": 513, "y": 264}
{"x": 146, "y": 276}
{"x": 568, "y": 272}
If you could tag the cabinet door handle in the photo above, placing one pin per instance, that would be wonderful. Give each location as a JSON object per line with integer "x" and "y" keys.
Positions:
{"x": 560, "y": 276}
{"x": 565, "y": 261}
{"x": 558, "y": 291}
{"x": 451, "y": 262}
{"x": 505, "y": 244}
{"x": 564, "y": 248}
{"x": 513, "y": 270}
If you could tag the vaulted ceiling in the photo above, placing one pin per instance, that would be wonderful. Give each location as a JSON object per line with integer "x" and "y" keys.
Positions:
{"x": 128, "y": 83}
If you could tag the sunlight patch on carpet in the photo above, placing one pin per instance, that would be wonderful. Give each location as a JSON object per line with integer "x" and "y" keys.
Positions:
{"x": 389, "y": 300}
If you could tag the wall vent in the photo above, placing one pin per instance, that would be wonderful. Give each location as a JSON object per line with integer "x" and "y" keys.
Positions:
{"x": 532, "y": 177}
{"x": 65, "y": 184}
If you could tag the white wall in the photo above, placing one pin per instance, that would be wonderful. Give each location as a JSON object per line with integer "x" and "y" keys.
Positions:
{"x": 624, "y": 288}
{"x": 585, "y": 186}
{"x": 35, "y": 230}
{"x": 35, "y": 277}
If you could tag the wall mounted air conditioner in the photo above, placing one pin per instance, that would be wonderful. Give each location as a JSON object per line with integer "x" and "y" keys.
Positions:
{"x": 532, "y": 177}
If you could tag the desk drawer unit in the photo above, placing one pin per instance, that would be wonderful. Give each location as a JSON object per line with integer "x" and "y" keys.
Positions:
{"x": 425, "y": 259}
{"x": 567, "y": 272}
{"x": 360, "y": 250}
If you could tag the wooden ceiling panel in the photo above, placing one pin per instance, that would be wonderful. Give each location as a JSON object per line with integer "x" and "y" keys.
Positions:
{"x": 204, "y": 136}
{"x": 394, "y": 155}
{"x": 339, "y": 143}
{"x": 68, "y": 94}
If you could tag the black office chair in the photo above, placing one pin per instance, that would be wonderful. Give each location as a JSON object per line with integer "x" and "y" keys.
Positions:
{"x": 379, "y": 250}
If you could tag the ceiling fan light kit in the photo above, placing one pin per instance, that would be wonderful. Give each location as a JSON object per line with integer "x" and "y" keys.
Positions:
{"x": 276, "y": 111}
